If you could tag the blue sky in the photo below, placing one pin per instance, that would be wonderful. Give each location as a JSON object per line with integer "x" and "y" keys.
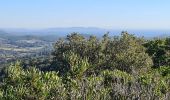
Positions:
{"x": 112, "y": 14}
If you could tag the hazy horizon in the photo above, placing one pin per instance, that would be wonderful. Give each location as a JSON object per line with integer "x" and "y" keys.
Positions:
{"x": 109, "y": 14}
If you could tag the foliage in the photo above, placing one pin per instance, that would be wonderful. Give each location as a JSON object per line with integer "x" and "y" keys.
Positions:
{"x": 118, "y": 68}
{"x": 159, "y": 50}
{"x": 125, "y": 53}
{"x": 31, "y": 84}
{"x": 34, "y": 84}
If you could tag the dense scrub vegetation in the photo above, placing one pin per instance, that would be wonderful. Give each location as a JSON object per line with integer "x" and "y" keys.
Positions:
{"x": 112, "y": 68}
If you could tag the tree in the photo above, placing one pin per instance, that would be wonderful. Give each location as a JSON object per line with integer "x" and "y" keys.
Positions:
{"x": 124, "y": 53}
{"x": 159, "y": 50}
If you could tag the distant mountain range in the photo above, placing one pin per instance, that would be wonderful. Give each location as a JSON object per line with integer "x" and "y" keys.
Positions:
{"x": 60, "y": 32}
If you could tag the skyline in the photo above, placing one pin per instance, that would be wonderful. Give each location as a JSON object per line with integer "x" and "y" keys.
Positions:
{"x": 109, "y": 14}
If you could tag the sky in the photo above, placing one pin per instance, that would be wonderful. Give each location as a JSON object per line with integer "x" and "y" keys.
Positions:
{"x": 110, "y": 14}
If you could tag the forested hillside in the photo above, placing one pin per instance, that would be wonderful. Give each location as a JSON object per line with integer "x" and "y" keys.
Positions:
{"x": 122, "y": 67}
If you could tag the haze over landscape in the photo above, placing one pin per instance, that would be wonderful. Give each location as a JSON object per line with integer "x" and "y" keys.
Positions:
{"x": 151, "y": 17}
